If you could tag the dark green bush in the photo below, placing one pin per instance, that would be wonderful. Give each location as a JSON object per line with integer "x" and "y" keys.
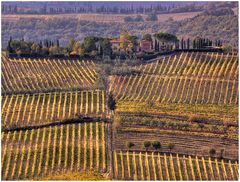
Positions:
{"x": 156, "y": 144}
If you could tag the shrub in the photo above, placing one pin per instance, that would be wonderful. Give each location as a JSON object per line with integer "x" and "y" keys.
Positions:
{"x": 170, "y": 146}
{"x": 219, "y": 12}
{"x": 221, "y": 153}
{"x": 152, "y": 17}
{"x": 111, "y": 102}
{"x": 197, "y": 119}
{"x": 200, "y": 125}
{"x": 139, "y": 18}
{"x": 128, "y": 19}
{"x": 156, "y": 145}
{"x": 130, "y": 145}
{"x": 212, "y": 152}
{"x": 147, "y": 144}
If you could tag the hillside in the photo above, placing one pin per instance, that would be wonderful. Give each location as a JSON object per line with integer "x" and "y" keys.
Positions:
{"x": 214, "y": 27}
{"x": 140, "y": 92}
{"x": 56, "y": 27}
{"x": 44, "y": 134}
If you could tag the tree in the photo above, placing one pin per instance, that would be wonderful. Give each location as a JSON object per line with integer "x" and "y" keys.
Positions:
{"x": 188, "y": 43}
{"x": 82, "y": 50}
{"x": 147, "y": 144}
{"x": 212, "y": 152}
{"x": 170, "y": 146}
{"x": 130, "y": 145}
{"x": 89, "y": 44}
{"x": 194, "y": 44}
{"x": 106, "y": 47}
{"x": 156, "y": 45}
{"x": 147, "y": 37}
{"x": 76, "y": 48}
{"x": 71, "y": 45}
{"x": 156, "y": 144}
{"x": 9, "y": 47}
{"x": 182, "y": 44}
{"x": 128, "y": 19}
{"x": 40, "y": 44}
{"x": 201, "y": 126}
{"x": 57, "y": 43}
{"x": 111, "y": 102}
{"x": 221, "y": 153}
{"x": 35, "y": 48}
{"x": 53, "y": 50}
{"x": 133, "y": 40}
{"x": 165, "y": 37}
{"x": 139, "y": 18}
{"x": 152, "y": 17}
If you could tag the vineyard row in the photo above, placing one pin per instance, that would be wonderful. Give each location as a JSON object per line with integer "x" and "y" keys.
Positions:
{"x": 209, "y": 65}
{"x": 156, "y": 166}
{"x": 48, "y": 107}
{"x": 176, "y": 89}
{"x": 40, "y": 152}
{"x": 43, "y": 75}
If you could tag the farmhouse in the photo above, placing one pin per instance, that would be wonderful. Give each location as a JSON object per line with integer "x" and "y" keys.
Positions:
{"x": 146, "y": 46}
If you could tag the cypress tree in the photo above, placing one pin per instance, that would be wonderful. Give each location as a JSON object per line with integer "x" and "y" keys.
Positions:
{"x": 194, "y": 44}
{"x": 40, "y": 44}
{"x": 155, "y": 45}
{"x": 182, "y": 43}
{"x": 9, "y": 47}
{"x": 47, "y": 43}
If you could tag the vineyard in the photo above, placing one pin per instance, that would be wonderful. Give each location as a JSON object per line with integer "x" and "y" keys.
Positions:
{"x": 158, "y": 166}
{"x": 193, "y": 78}
{"x": 45, "y": 75}
{"x": 28, "y": 109}
{"x": 56, "y": 119}
{"x": 39, "y": 152}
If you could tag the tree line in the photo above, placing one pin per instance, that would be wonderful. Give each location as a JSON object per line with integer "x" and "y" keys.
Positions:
{"x": 91, "y": 46}
{"x": 152, "y": 9}
{"x": 100, "y": 47}
{"x": 197, "y": 43}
